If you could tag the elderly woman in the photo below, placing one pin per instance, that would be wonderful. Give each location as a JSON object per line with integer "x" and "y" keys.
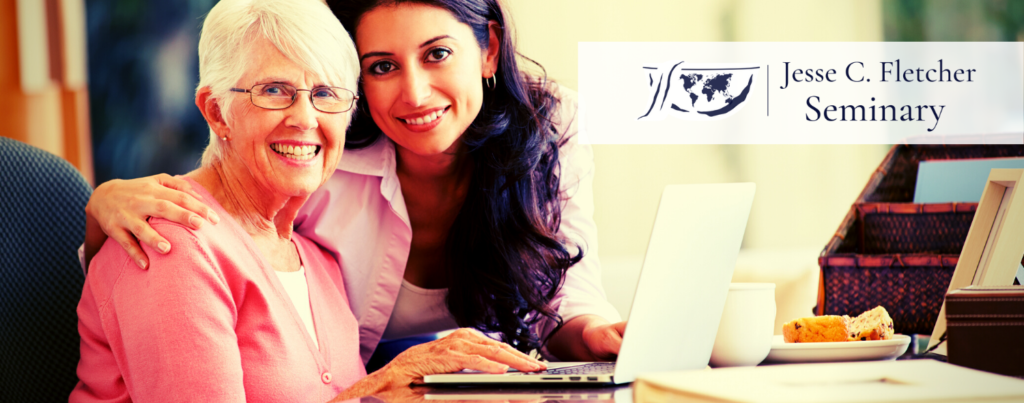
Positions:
{"x": 465, "y": 198}
{"x": 247, "y": 309}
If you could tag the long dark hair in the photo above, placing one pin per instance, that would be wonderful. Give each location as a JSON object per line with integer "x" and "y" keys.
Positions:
{"x": 505, "y": 262}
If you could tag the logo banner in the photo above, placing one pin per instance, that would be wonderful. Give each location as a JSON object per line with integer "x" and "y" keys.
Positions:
{"x": 801, "y": 93}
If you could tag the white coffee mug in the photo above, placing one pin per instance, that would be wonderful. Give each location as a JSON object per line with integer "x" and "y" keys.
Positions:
{"x": 747, "y": 327}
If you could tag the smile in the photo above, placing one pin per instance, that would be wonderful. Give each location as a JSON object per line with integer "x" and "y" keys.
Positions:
{"x": 427, "y": 118}
{"x": 298, "y": 153}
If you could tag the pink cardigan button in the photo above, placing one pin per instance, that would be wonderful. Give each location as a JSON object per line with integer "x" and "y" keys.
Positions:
{"x": 326, "y": 377}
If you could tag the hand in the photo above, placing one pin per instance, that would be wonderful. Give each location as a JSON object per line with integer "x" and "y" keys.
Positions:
{"x": 604, "y": 340}
{"x": 119, "y": 209}
{"x": 587, "y": 338}
{"x": 463, "y": 349}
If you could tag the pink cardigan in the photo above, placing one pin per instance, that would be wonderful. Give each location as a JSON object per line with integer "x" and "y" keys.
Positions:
{"x": 211, "y": 322}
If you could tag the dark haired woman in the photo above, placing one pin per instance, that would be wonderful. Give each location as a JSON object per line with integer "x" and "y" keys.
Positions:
{"x": 474, "y": 211}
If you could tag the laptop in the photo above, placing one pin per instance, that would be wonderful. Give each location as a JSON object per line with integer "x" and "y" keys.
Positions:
{"x": 679, "y": 298}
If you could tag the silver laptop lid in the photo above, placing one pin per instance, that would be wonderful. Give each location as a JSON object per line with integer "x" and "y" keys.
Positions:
{"x": 685, "y": 278}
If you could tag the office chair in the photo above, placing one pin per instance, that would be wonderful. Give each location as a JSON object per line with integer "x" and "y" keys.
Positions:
{"x": 42, "y": 223}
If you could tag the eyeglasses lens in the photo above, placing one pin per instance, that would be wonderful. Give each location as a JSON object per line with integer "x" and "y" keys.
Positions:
{"x": 273, "y": 96}
{"x": 281, "y": 96}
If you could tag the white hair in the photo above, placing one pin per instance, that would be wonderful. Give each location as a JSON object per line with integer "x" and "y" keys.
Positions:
{"x": 304, "y": 31}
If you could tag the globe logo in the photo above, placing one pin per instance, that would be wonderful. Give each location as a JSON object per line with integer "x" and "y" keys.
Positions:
{"x": 691, "y": 91}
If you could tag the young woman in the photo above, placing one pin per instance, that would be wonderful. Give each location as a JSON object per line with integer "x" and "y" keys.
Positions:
{"x": 474, "y": 209}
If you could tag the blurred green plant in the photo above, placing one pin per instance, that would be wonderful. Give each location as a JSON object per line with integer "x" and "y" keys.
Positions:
{"x": 1008, "y": 15}
{"x": 953, "y": 20}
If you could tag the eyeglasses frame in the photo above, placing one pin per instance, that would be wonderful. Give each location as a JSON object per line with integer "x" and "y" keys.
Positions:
{"x": 355, "y": 97}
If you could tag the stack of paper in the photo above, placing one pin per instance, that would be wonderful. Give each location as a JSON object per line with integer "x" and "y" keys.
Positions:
{"x": 876, "y": 381}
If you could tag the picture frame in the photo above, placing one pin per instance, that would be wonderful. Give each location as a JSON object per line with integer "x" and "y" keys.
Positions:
{"x": 995, "y": 241}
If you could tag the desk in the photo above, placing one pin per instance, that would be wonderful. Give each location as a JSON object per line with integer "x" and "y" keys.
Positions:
{"x": 554, "y": 393}
{"x": 609, "y": 394}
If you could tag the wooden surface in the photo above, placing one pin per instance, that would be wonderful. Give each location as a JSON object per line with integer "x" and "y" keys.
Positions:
{"x": 54, "y": 118}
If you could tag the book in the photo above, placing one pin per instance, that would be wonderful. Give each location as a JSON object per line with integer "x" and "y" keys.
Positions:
{"x": 871, "y": 381}
{"x": 961, "y": 181}
{"x": 985, "y": 328}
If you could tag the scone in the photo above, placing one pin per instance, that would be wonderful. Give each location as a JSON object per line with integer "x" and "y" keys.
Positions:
{"x": 817, "y": 329}
{"x": 871, "y": 325}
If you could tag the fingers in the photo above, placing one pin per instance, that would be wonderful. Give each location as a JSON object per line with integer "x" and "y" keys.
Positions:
{"x": 610, "y": 341}
{"x": 479, "y": 363}
{"x": 130, "y": 245}
{"x": 122, "y": 207}
{"x": 167, "y": 203}
{"x": 179, "y": 207}
{"x": 478, "y": 344}
{"x": 176, "y": 184}
{"x": 502, "y": 354}
{"x": 620, "y": 328}
{"x": 187, "y": 209}
{"x": 474, "y": 336}
{"x": 144, "y": 233}
{"x": 463, "y": 349}
{"x": 533, "y": 363}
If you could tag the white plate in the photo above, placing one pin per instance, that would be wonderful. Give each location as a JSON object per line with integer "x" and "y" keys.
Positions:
{"x": 838, "y": 351}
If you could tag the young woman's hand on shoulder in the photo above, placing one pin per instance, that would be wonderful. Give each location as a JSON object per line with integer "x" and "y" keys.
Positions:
{"x": 119, "y": 209}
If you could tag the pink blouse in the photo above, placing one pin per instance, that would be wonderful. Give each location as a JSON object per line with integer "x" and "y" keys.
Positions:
{"x": 210, "y": 321}
{"x": 360, "y": 216}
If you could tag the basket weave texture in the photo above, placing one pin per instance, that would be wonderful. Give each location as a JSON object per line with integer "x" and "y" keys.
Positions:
{"x": 914, "y": 228}
{"x": 892, "y": 252}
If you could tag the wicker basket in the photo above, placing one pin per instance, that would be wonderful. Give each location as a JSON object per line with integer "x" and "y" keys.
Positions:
{"x": 939, "y": 228}
{"x": 892, "y": 252}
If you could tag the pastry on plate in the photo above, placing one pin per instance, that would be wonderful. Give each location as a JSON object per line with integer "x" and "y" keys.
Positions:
{"x": 817, "y": 329}
{"x": 871, "y": 325}
{"x": 874, "y": 324}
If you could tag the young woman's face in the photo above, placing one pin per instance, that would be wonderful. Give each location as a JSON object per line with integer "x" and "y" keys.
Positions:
{"x": 422, "y": 75}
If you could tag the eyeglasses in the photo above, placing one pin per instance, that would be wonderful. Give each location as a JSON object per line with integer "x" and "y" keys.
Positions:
{"x": 281, "y": 96}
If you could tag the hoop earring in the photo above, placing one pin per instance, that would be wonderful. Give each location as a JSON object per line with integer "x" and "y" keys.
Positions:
{"x": 492, "y": 81}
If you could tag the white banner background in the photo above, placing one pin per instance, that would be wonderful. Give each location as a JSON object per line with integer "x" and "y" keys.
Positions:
{"x": 615, "y": 91}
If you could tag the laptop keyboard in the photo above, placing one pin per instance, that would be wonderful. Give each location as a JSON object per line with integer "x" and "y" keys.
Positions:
{"x": 593, "y": 368}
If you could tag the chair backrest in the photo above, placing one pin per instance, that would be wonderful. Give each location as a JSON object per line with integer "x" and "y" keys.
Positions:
{"x": 42, "y": 223}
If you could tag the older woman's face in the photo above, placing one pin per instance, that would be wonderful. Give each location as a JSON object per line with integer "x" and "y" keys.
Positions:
{"x": 422, "y": 72}
{"x": 289, "y": 151}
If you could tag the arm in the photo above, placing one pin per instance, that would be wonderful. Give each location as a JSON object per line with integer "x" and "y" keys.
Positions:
{"x": 590, "y": 330}
{"x": 119, "y": 209}
{"x": 172, "y": 331}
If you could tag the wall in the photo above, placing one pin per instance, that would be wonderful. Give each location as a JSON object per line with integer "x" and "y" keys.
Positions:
{"x": 803, "y": 191}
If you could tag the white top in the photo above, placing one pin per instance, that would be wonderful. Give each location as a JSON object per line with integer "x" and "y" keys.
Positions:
{"x": 294, "y": 283}
{"x": 418, "y": 311}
